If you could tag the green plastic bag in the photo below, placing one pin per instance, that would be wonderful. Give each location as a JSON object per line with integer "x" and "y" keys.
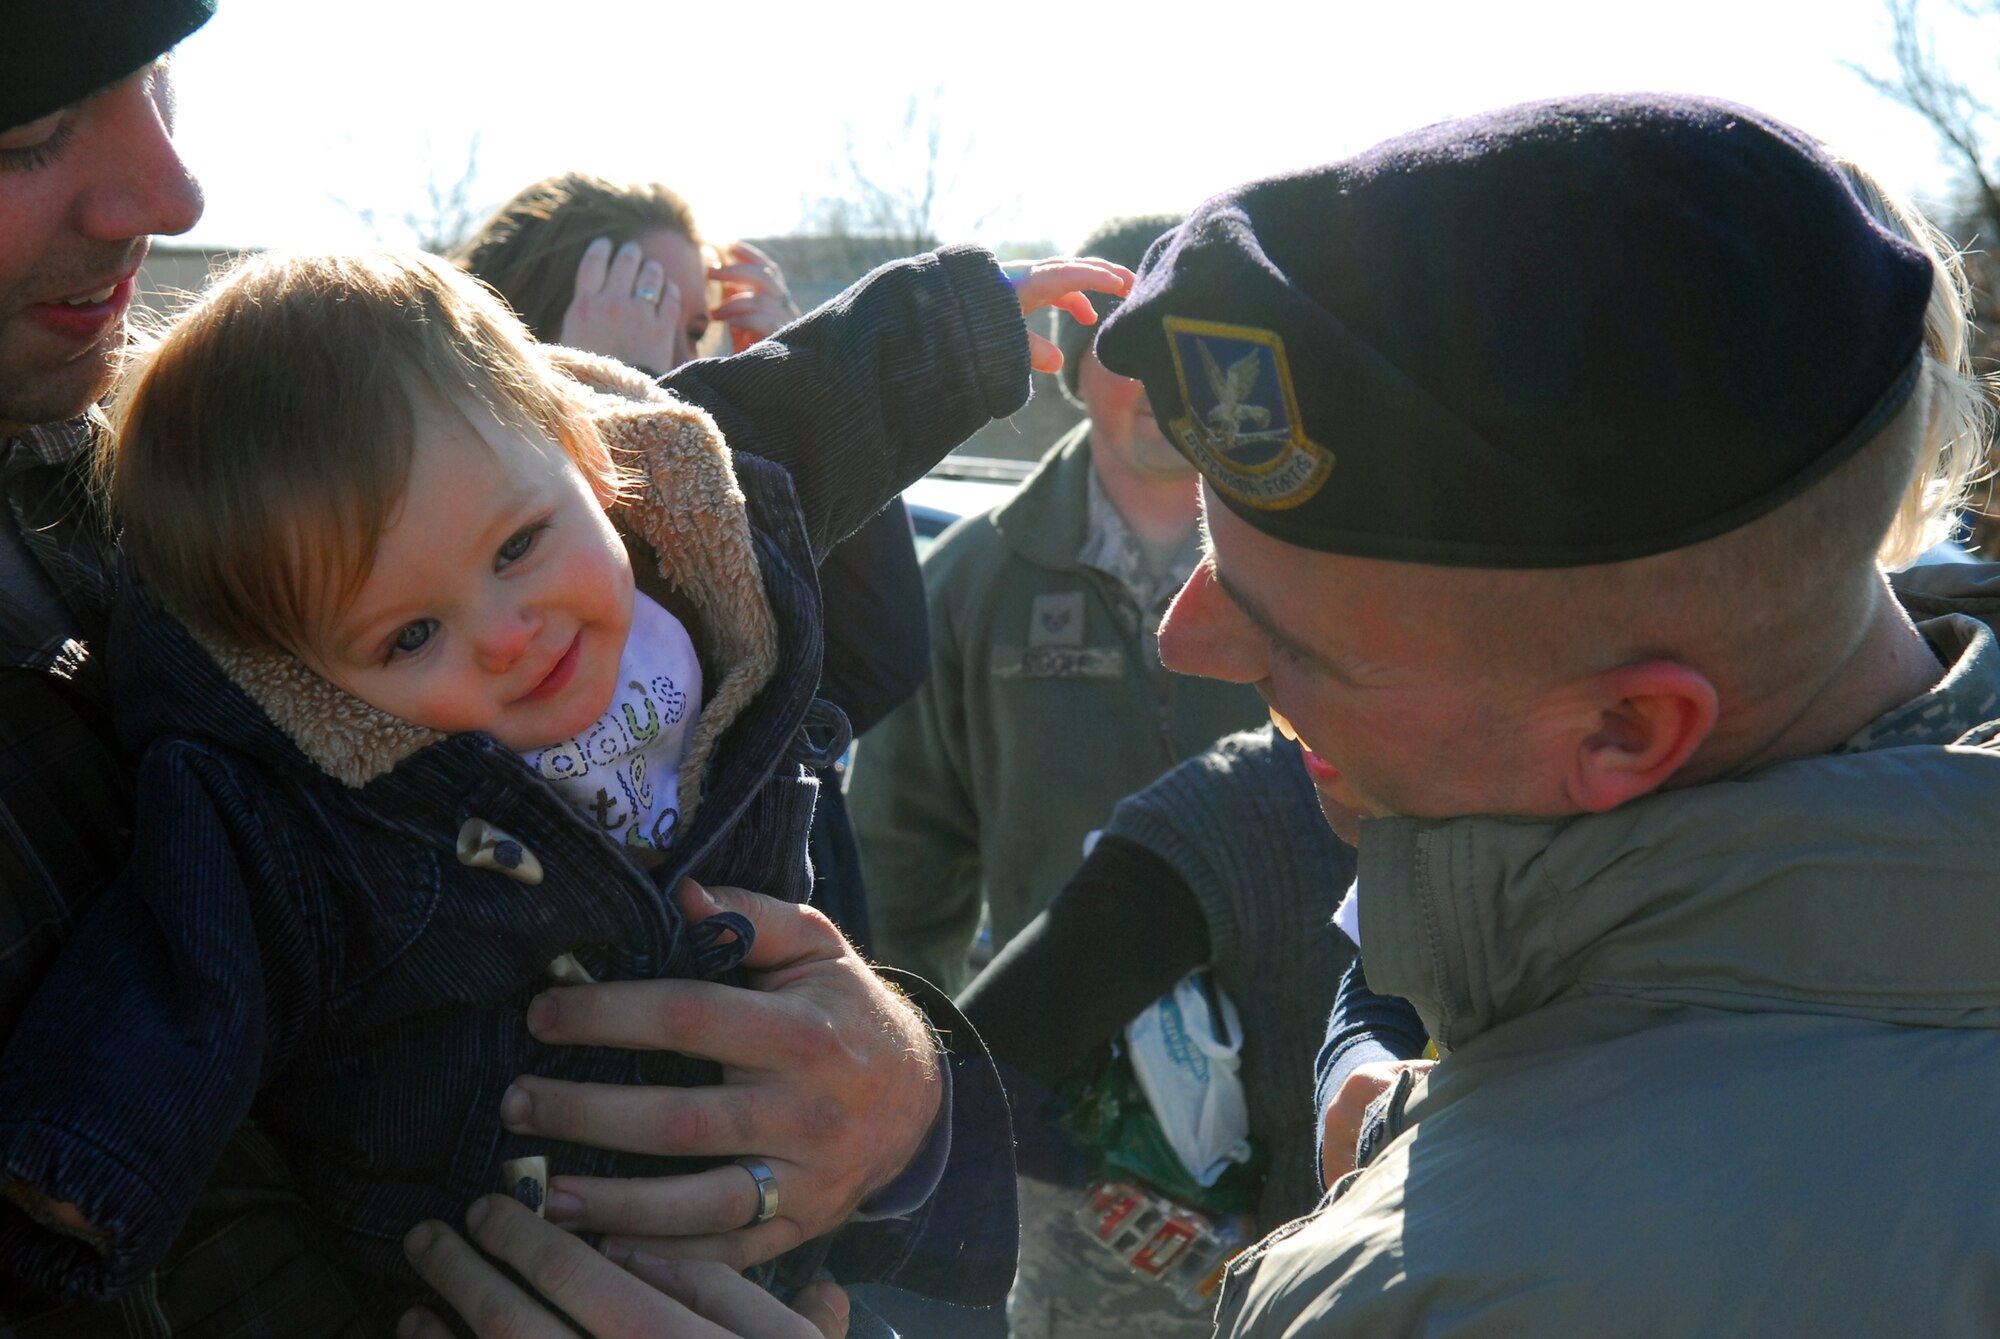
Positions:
{"x": 1107, "y": 1117}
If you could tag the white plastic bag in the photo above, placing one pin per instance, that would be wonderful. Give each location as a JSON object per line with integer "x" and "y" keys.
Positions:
{"x": 1184, "y": 1051}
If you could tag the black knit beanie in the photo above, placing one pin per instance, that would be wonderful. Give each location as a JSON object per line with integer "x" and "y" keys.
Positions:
{"x": 57, "y": 52}
{"x": 1123, "y": 240}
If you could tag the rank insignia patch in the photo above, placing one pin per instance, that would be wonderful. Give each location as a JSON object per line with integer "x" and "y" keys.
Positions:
{"x": 1056, "y": 619}
{"x": 1242, "y": 429}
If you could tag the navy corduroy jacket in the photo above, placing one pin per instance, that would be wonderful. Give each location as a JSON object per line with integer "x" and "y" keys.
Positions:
{"x": 317, "y": 954}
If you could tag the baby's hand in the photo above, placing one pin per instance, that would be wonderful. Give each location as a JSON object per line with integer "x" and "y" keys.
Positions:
{"x": 1062, "y": 282}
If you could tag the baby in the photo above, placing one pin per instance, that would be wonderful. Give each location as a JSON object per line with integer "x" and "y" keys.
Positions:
{"x": 419, "y": 736}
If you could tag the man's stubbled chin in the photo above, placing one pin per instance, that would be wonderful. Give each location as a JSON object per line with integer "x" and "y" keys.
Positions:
{"x": 1325, "y": 777}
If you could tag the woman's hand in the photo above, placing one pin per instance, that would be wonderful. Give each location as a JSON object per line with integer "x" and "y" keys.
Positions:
{"x": 756, "y": 303}
{"x": 1062, "y": 283}
{"x": 658, "y": 1299}
{"x": 626, "y": 308}
{"x": 830, "y": 1078}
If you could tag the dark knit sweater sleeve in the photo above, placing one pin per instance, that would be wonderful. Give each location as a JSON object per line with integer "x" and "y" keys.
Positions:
{"x": 1362, "y": 1029}
{"x": 1072, "y": 979}
{"x": 860, "y": 398}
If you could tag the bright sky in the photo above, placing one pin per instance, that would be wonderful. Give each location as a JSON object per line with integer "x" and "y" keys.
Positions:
{"x": 1054, "y": 116}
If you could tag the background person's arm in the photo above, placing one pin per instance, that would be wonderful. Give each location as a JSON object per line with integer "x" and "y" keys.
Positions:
{"x": 1054, "y": 993}
{"x": 858, "y": 399}
{"x": 1369, "y": 1039}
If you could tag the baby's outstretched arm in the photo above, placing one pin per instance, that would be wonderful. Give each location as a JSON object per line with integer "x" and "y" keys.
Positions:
{"x": 871, "y": 389}
{"x": 1062, "y": 282}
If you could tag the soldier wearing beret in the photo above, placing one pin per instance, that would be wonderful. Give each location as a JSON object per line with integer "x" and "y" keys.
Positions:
{"x": 1546, "y": 458}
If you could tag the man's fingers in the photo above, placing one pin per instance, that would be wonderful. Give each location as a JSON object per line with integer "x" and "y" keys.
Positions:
{"x": 421, "y": 1324}
{"x": 476, "y": 1290}
{"x": 720, "y": 1121}
{"x": 739, "y": 1249}
{"x": 826, "y": 1306}
{"x": 716, "y": 1293}
{"x": 727, "y": 1024}
{"x": 720, "y": 1199}
{"x": 596, "y": 264}
{"x": 606, "y": 1300}
{"x": 787, "y": 932}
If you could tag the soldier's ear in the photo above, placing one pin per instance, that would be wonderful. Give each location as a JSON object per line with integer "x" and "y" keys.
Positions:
{"x": 1649, "y": 719}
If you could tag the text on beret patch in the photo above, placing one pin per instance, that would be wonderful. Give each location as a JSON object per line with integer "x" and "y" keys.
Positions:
{"x": 1242, "y": 429}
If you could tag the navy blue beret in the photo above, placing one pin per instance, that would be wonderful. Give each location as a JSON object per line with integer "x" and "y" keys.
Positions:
{"x": 1563, "y": 333}
{"x": 56, "y": 52}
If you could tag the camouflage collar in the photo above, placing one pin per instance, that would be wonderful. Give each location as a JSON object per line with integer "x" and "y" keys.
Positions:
{"x": 1964, "y": 706}
{"x": 1110, "y": 547}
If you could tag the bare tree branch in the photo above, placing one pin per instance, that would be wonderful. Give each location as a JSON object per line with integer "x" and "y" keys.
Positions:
{"x": 1957, "y": 115}
{"x": 453, "y": 211}
{"x": 890, "y": 202}
{"x": 450, "y": 213}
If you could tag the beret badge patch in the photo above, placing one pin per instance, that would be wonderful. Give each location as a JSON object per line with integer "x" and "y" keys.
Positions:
{"x": 1242, "y": 427}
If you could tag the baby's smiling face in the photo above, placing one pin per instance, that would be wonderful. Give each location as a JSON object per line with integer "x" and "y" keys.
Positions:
{"x": 500, "y": 596}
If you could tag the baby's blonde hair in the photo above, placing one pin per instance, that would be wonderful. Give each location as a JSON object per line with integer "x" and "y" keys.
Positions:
{"x": 1961, "y": 415}
{"x": 262, "y": 443}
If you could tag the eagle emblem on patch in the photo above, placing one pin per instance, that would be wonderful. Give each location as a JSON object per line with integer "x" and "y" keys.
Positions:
{"x": 1242, "y": 427}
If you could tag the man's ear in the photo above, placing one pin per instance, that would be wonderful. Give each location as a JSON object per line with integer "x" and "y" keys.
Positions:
{"x": 1650, "y": 717}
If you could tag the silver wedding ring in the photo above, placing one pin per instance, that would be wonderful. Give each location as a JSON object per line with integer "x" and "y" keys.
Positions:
{"x": 767, "y": 1189}
{"x": 646, "y": 294}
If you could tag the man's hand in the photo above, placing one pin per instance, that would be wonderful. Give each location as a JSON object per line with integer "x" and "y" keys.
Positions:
{"x": 1062, "y": 283}
{"x": 1340, "y": 1129}
{"x": 659, "y": 1299}
{"x": 829, "y": 1077}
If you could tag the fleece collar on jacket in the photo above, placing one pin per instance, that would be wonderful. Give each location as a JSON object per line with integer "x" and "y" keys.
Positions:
{"x": 690, "y": 510}
{"x": 1856, "y": 884}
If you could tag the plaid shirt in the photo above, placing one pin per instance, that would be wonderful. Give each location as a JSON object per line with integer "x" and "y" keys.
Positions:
{"x": 245, "y": 1265}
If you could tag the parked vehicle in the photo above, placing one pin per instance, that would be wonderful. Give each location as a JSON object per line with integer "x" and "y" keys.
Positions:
{"x": 960, "y": 486}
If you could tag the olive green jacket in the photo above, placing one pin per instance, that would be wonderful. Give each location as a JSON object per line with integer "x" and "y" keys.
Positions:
{"x": 1045, "y": 705}
{"x": 1723, "y": 1061}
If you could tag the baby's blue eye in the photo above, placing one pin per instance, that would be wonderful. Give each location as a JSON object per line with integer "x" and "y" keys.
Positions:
{"x": 517, "y": 545}
{"x": 413, "y": 637}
